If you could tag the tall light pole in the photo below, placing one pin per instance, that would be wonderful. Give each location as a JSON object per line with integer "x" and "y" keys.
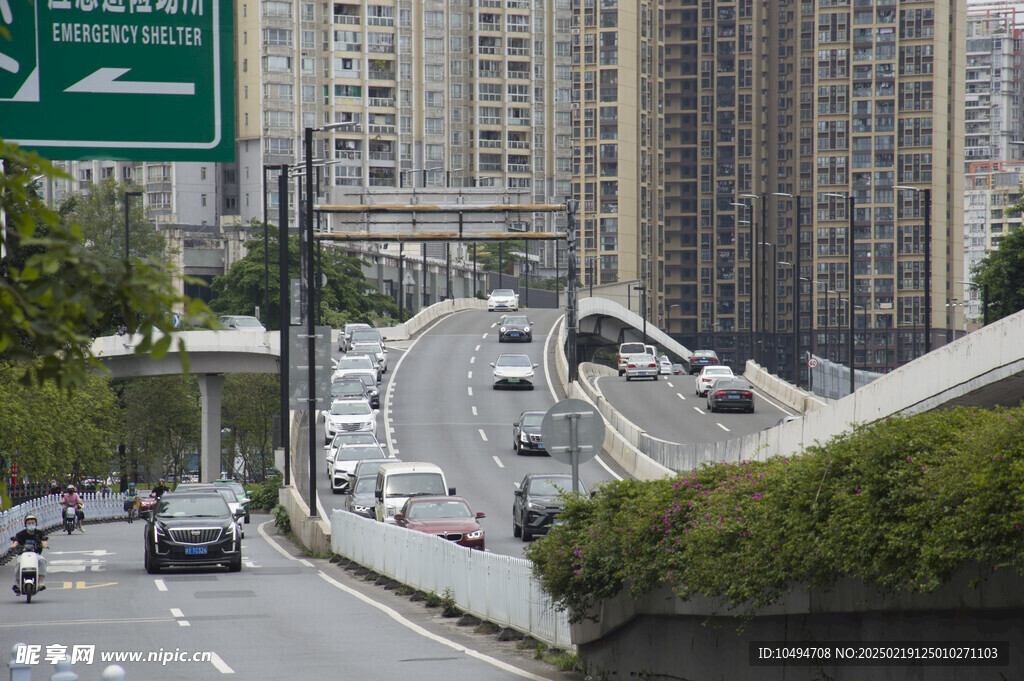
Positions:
{"x": 759, "y": 283}
{"x": 571, "y": 204}
{"x": 927, "y": 262}
{"x": 753, "y": 284}
{"x": 773, "y": 353}
{"x": 828, "y": 322}
{"x": 796, "y": 291}
{"x": 952, "y": 306}
{"x": 126, "y": 241}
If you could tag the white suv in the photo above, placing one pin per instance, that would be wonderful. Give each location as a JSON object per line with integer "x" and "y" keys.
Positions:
{"x": 627, "y": 349}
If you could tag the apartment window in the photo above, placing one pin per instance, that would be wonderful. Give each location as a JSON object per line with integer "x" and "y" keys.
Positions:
{"x": 455, "y": 67}
{"x": 433, "y": 72}
{"x": 456, "y": 90}
{"x": 455, "y": 43}
{"x": 278, "y": 64}
{"x": 280, "y": 119}
{"x": 433, "y": 45}
{"x": 406, "y": 124}
{"x": 434, "y": 126}
{"x": 455, "y": 19}
{"x": 435, "y": 152}
{"x": 433, "y": 19}
{"x": 308, "y": 93}
{"x": 308, "y": 13}
{"x": 308, "y": 39}
{"x": 276, "y": 145}
{"x": 277, "y": 36}
{"x": 275, "y": 8}
{"x": 202, "y": 200}
{"x": 202, "y": 174}
{"x": 435, "y": 98}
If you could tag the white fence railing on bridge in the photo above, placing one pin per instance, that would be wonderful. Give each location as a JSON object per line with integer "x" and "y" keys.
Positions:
{"x": 499, "y": 589}
{"x": 95, "y": 505}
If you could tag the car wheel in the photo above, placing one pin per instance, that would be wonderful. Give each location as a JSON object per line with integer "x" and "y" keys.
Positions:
{"x": 516, "y": 530}
{"x": 527, "y": 535}
{"x": 235, "y": 565}
{"x": 621, "y": 372}
{"x": 627, "y": 379}
{"x": 246, "y": 517}
{"x": 751, "y": 410}
{"x": 711, "y": 407}
{"x": 655, "y": 378}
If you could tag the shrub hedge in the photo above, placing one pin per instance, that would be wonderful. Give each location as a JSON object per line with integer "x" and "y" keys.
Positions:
{"x": 900, "y": 505}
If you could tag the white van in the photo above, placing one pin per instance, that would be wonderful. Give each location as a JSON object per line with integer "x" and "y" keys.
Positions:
{"x": 396, "y": 482}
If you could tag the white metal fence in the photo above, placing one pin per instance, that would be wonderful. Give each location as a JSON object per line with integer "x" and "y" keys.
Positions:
{"x": 95, "y": 505}
{"x": 496, "y": 588}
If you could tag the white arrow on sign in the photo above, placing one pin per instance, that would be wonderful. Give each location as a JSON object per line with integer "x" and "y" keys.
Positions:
{"x": 106, "y": 81}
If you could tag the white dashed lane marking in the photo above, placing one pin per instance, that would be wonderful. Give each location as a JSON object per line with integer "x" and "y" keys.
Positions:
{"x": 482, "y": 434}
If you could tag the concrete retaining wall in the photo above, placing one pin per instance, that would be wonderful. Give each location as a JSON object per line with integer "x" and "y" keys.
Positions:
{"x": 780, "y": 390}
{"x": 629, "y": 635}
{"x": 427, "y": 315}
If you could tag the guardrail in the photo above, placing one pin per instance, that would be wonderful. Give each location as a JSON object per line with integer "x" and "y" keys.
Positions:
{"x": 429, "y": 314}
{"x": 499, "y": 589}
{"x": 95, "y": 505}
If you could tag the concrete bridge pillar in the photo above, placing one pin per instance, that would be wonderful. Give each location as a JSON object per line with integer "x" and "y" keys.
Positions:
{"x": 211, "y": 386}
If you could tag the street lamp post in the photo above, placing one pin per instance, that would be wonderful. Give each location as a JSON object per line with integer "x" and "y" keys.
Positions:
{"x": 753, "y": 284}
{"x": 952, "y": 306}
{"x": 126, "y": 242}
{"x": 758, "y": 273}
{"x": 772, "y": 351}
{"x": 796, "y": 291}
{"x": 571, "y": 308}
{"x": 284, "y": 319}
{"x": 828, "y": 321}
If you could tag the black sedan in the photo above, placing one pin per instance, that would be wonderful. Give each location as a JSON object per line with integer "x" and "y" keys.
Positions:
{"x": 730, "y": 393}
{"x": 526, "y": 435}
{"x": 703, "y": 358}
{"x": 515, "y": 328}
{"x": 359, "y": 499}
{"x": 536, "y": 503}
{"x": 192, "y": 529}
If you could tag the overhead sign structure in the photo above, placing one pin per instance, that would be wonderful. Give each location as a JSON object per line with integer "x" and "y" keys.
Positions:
{"x": 123, "y": 79}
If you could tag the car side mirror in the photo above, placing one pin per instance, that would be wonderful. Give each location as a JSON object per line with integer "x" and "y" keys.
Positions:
{"x": 535, "y": 365}
{"x": 480, "y": 515}
{"x": 399, "y": 516}
{"x": 375, "y": 411}
{"x": 379, "y": 495}
{"x": 239, "y": 512}
{"x": 451, "y": 491}
{"x": 492, "y": 364}
{"x": 518, "y": 492}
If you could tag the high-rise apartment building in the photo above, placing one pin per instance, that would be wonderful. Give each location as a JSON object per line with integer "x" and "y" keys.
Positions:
{"x": 430, "y": 94}
{"x": 774, "y": 105}
{"x": 618, "y": 153}
{"x": 994, "y": 88}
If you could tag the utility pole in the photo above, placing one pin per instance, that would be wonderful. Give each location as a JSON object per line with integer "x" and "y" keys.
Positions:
{"x": 570, "y": 288}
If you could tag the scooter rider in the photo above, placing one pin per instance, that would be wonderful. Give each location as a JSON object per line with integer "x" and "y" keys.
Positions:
{"x": 30, "y": 533}
{"x": 73, "y": 500}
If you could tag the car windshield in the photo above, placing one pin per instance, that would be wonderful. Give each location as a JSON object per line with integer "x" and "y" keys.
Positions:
{"x": 703, "y": 353}
{"x": 407, "y": 484}
{"x": 516, "y": 321}
{"x": 532, "y": 419}
{"x": 364, "y": 484}
{"x": 631, "y": 348}
{"x": 551, "y": 486}
{"x": 192, "y": 506}
{"x": 351, "y": 328}
{"x": 365, "y": 347}
{"x": 359, "y": 362}
{"x": 368, "y": 380}
{"x": 503, "y": 293}
{"x": 422, "y": 510}
{"x": 242, "y": 322}
{"x": 228, "y": 494}
{"x": 514, "y": 361}
{"x": 365, "y": 335}
{"x": 358, "y": 452}
{"x": 359, "y": 408}
{"x": 348, "y": 388}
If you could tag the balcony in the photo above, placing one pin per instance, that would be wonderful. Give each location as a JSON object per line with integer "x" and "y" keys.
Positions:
{"x": 519, "y": 121}
{"x": 491, "y": 144}
{"x": 489, "y": 26}
{"x": 490, "y": 120}
{"x": 519, "y": 74}
{"x": 490, "y": 167}
{"x": 381, "y": 129}
{"x": 380, "y": 21}
{"x": 377, "y": 74}
{"x": 347, "y": 19}
{"x": 518, "y": 168}
{"x": 348, "y": 155}
{"x": 517, "y": 144}
{"x": 382, "y": 101}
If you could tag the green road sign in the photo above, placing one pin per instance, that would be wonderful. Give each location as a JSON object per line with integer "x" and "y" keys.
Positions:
{"x": 124, "y": 79}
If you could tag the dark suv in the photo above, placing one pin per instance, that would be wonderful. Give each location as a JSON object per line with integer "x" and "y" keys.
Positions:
{"x": 536, "y": 503}
{"x": 526, "y": 435}
{"x": 515, "y": 327}
{"x": 702, "y": 358}
{"x": 192, "y": 529}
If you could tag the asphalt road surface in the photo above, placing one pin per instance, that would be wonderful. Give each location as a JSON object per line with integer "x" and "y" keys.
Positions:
{"x": 283, "y": 617}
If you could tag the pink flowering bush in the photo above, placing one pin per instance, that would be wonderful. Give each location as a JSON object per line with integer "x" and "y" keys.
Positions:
{"x": 900, "y": 505}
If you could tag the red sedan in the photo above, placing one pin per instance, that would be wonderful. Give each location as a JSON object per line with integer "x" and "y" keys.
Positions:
{"x": 448, "y": 517}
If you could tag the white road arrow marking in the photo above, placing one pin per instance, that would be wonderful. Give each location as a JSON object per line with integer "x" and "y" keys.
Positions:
{"x": 106, "y": 81}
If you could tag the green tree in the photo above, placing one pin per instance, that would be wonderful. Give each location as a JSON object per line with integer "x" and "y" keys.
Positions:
{"x": 56, "y": 293}
{"x": 100, "y": 215}
{"x": 1002, "y": 272}
{"x": 248, "y": 406}
{"x": 162, "y": 424}
{"x": 347, "y": 296}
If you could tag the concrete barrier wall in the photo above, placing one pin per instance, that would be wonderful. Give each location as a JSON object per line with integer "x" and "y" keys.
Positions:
{"x": 427, "y": 315}
{"x": 629, "y": 634}
{"x": 782, "y": 391}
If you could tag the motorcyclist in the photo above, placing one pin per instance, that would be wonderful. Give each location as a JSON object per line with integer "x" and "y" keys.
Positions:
{"x": 71, "y": 499}
{"x": 132, "y": 501}
{"x": 30, "y": 533}
{"x": 55, "y": 488}
{"x": 160, "y": 489}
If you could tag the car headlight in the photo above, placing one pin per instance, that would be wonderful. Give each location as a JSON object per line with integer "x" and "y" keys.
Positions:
{"x": 475, "y": 535}
{"x": 503, "y": 329}
{"x": 523, "y": 437}
{"x": 361, "y": 509}
{"x": 534, "y": 507}
{"x": 526, "y": 329}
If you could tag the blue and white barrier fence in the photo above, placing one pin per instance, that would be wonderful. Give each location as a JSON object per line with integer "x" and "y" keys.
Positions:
{"x": 95, "y": 505}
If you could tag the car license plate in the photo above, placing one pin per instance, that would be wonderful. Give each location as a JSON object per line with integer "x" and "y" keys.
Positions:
{"x": 195, "y": 550}
{"x": 540, "y": 445}
{"x": 641, "y": 373}
{"x": 734, "y": 395}
{"x": 513, "y": 380}
{"x": 514, "y": 335}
